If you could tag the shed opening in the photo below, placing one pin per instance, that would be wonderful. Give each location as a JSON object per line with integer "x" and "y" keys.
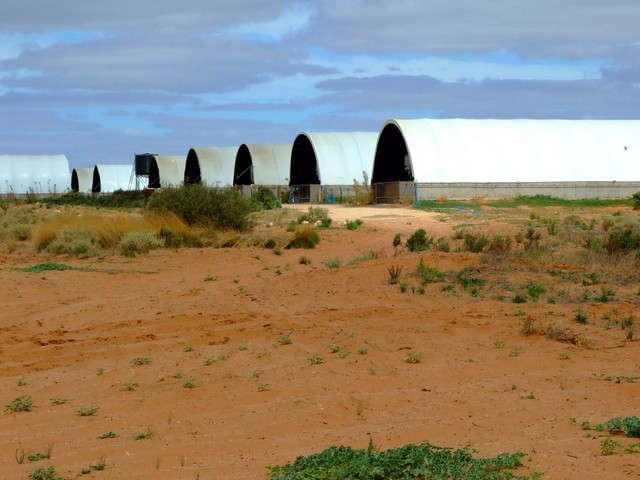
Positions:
{"x": 95, "y": 186}
{"x": 192, "y": 172}
{"x": 75, "y": 183}
{"x": 243, "y": 170}
{"x": 304, "y": 179}
{"x": 392, "y": 178}
{"x": 154, "y": 174}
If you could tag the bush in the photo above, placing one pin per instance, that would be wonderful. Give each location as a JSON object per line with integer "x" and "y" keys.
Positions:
{"x": 475, "y": 242}
{"x": 72, "y": 242}
{"x": 266, "y": 198}
{"x": 622, "y": 239}
{"x": 418, "y": 241}
{"x": 304, "y": 237}
{"x": 429, "y": 274}
{"x": 354, "y": 224}
{"x": 636, "y": 200}
{"x": 139, "y": 242}
{"x": 198, "y": 204}
{"x": 499, "y": 247}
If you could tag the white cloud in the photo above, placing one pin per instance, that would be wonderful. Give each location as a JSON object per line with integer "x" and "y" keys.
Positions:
{"x": 293, "y": 20}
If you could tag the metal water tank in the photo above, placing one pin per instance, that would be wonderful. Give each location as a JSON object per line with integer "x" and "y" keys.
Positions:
{"x": 142, "y": 163}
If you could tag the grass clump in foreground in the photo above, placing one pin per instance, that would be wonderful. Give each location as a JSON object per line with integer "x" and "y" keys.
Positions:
{"x": 411, "y": 462}
{"x": 44, "y": 473}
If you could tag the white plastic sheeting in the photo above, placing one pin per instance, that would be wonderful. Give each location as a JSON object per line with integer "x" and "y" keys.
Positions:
{"x": 332, "y": 158}
{"x": 109, "y": 178}
{"x": 262, "y": 164}
{"x": 82, "y": 180}
{"x": 462, "y": 150}
{"x": 212, "y": 166}
{"x": 166, "y": 171}
{"x": 40, "y": 174}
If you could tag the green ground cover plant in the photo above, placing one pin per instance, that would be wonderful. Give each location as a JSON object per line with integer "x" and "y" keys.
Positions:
{"x": 428, "y": 274}
{"x": 44, "y": 473}
{"x": 19, "y": 404}
{"x": 411, "y": 462}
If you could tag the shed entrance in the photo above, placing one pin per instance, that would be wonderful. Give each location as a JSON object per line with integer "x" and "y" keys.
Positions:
{"x": 192, "y": 172}
{"x": 392, "y": 178}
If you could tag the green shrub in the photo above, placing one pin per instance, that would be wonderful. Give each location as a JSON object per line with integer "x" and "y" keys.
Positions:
{"x": 197, "y": 204}
{"x": 475, "y": 242}
{"x": 315, "y": 214}
{"x": 44, "y": 473}
{"x": 418, "y": 241}
{"x": 267, "y": 200}
{"x": 442, "y": 245}
{"x": 519, "y": 299}
{"x": 304, "y": 237}
{"x": 535, "y": 290}
{"x": 73, "y": 242}
{"x": 20, "y": 404}
{"x": 622, "y": 239}
{"x": 499, "y": 247}
{"x": 394, "y": 274}
{"x": 354, "y": 224}
{"x": 134, "y": 243}
{"x": 636, "y": 200}
{"x": 469, "y": 278}
{"x": 429, "y": 274}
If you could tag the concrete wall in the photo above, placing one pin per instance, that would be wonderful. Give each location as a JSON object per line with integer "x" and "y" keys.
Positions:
{"x": 489, "y": 191}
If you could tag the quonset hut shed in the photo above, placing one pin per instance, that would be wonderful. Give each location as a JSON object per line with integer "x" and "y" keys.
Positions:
{"x": 329, "y": 164}
{"x": 109, "y": 178}
{"x": 464, "y": 159}
{"x": 40, "y": 174}
{"x": 82, "y": 180}
{"x": 166, "y": 171}
{"x": 262, "y": 165}
{"x": 212, "y": 166}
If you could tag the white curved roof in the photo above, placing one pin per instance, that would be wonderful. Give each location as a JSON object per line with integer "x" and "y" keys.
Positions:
{"x": 34, "y": 174}
{"x": 82, "y": 180}
{"x": 215, "y": 165}
{"x": 464, "y": 150}
{"x": 270, "y": 162}
{"x": 109, "y": 178}
{"x": 342, "y": 157}
{"x": 170, "y": 170}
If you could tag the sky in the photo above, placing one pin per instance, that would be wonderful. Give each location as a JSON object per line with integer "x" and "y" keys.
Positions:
{"x": 102, "y": 81}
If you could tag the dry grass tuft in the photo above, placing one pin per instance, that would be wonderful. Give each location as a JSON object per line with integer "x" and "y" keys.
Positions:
{"x": 553, "y": 331}
{"x": 106, "y": 229}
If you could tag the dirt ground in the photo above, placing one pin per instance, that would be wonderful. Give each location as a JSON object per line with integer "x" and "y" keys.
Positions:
{"x": 216, "y": 320}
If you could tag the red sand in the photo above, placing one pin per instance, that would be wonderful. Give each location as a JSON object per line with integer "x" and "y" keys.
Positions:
{"x": 74, "y": 334}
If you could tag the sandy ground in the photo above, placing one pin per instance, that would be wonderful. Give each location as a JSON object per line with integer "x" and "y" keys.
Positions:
{"x": 215, "y": 317}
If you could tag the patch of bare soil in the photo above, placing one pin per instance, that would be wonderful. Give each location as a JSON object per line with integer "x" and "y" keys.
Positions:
{"x": 228, "y": 337}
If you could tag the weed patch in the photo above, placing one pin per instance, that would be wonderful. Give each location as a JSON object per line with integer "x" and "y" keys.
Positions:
{"x": 411, "y": 462}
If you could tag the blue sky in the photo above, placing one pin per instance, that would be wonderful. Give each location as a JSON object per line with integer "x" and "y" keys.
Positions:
{"x": 101, "y": 81}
